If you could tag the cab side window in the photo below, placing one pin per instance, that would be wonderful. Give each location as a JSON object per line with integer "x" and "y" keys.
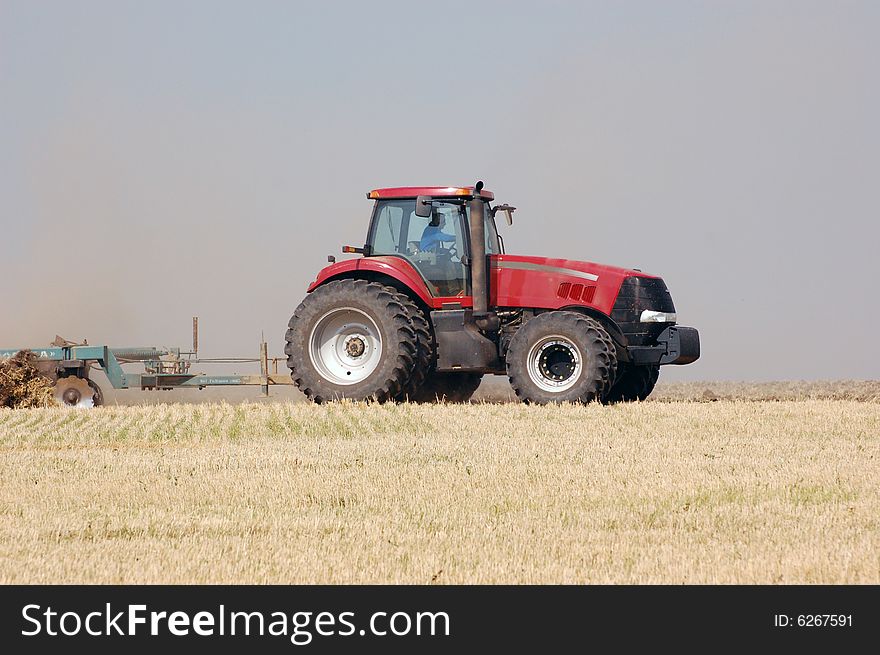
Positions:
{"x": 386, "y": 234}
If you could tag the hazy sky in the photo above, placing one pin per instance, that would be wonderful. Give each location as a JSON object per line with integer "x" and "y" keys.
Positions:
{"x": 164, "y": 159}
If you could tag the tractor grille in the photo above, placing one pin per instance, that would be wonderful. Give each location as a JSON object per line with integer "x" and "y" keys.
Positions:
{"x": 636, "y": 295}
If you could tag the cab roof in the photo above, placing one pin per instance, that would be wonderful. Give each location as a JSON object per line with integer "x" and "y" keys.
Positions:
{"x": 436, "y": 191}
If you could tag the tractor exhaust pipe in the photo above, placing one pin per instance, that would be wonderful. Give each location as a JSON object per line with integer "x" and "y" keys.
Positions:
{"x": 484, "y": 319}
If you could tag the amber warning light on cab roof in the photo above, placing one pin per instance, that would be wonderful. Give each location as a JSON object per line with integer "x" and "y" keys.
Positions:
{"x": 436, "y": 191}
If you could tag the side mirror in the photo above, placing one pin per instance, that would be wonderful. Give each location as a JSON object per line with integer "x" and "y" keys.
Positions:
{"x": 508, "y": 212}
{"x": 423, "y": 206}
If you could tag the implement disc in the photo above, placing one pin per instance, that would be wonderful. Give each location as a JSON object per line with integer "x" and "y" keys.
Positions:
{"x": 74, "y": 392}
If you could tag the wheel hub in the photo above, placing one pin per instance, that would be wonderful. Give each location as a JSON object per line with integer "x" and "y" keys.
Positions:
{"x": 557, "y": 363}
{"x": 355, "y": 346}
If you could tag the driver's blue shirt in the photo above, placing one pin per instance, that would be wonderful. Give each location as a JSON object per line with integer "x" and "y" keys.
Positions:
{"x": 432, "y": 237}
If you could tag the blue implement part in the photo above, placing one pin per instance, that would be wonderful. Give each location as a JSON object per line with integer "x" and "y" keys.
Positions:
{"x": 160, "y": 374}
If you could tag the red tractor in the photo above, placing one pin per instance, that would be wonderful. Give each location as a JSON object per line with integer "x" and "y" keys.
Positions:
{"x": 435, "y": 303}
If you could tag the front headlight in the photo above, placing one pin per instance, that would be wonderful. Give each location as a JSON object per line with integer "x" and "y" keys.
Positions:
{"x": 650, "y": 316}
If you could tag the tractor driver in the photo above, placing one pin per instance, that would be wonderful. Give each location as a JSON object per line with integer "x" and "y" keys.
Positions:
{"x": 433, "y": 236}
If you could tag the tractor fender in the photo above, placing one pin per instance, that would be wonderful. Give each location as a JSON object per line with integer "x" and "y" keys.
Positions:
{"x": 606, "y": 321}
{"x": 395, "y": 270}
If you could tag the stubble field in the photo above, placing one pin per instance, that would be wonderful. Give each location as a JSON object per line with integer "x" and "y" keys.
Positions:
{"x": 730, "y": 491}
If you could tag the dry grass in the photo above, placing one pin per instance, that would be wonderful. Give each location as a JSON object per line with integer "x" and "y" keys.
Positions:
{"x": 293, "y": 493}
{"x": 497, "y": 389}
{"x": 861, "y": 390}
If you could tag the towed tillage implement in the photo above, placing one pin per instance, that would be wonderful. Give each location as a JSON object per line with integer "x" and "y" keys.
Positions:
{"x": 70, "y": 364}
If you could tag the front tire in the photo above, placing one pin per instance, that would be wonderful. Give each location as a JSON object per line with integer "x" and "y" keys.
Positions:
{"x": 351, "y": 339}
{"x": 561, "y": 356}
{"x": 632, "y": 384}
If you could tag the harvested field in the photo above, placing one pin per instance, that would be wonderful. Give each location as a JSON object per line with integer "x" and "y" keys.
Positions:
{"x": 655, "y": 492}
{"x": 496, "y": 389}
{"x": 859, "y": 390}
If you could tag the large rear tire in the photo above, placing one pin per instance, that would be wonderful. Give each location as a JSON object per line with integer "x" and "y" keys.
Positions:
{"x": 561, "y": 356}
{"x": 351, "y": 339}
{"x": 633, "y": 383}
{"x": 425, "y": 351}
{"x": 451, "y": 387}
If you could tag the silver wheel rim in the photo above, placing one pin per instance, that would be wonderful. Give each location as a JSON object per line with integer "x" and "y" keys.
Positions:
{"x": 555, "y": 364}
{"x": 345, "y": 346}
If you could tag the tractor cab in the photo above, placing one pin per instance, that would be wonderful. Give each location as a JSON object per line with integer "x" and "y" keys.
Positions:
{"x": 429, "y": 227}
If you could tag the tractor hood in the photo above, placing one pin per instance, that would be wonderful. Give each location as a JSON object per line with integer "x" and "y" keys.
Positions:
{"x": 568, "y": 266}
{"x": 523, "y": 281}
